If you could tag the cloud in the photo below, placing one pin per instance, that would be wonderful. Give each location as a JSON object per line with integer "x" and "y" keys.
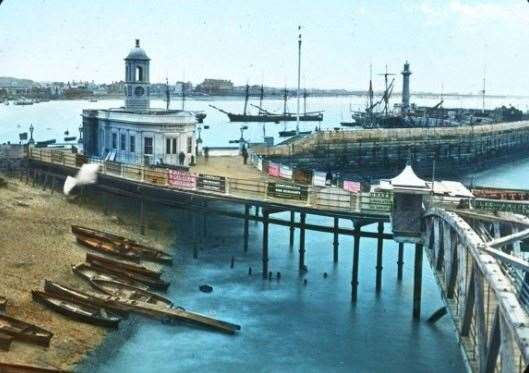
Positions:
{"x": 485, "y": 12}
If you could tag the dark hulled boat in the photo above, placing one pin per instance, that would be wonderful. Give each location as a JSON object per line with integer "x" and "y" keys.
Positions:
{"x": 24, "y": 331}
{"x": 122, "y": 290}
{"x": 108, "y": 248}
{"x": 82, "y": 312}
{"x": 145, "y": 252}
{"x": 129, "y": 267}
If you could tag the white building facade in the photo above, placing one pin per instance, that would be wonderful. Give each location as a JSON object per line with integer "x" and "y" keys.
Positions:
{"x": 136, "y": 133}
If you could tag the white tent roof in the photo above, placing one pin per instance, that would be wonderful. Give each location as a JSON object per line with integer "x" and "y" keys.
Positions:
{"x": 408, "y": 179}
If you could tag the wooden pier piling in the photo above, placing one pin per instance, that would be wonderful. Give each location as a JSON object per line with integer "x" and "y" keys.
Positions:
{"x": 380, "y": 246}
{"x": 356, "y": 253}
{"x": 291, "y": 229}
{"x": 417, "y": 281}
{"x": 335, "y": 240}
{"x": 246, "y": 221}
{"x": 400, "y": 261}
{"x": 265, "y": 243}
{"x": 302, "y": 242}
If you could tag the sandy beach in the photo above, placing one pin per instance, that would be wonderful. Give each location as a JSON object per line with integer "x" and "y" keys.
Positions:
{"x": 36, "y": 243}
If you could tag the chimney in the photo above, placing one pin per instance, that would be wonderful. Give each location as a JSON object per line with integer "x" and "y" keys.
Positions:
{"x": 137, "y": 43}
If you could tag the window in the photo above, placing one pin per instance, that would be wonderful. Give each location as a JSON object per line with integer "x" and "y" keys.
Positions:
{"x": 174, "y": 146}
{"x": 114, "y": 141}
{"x": 147, "y": 145}
{"x": 190, "y": 144}
{"x": 168, "y": 146}
{"x": 132, "y": 144}
{"x": 123, "y": 142}
{"x": 139, "y": 74}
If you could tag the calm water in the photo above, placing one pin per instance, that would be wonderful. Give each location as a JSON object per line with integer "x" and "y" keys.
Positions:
{"x": 286, "y": 326}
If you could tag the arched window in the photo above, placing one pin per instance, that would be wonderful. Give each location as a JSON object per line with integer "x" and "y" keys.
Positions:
{"x": 139, "y": 74}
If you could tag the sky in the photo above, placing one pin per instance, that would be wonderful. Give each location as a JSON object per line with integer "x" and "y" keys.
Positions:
{"x": 450, "y": 44}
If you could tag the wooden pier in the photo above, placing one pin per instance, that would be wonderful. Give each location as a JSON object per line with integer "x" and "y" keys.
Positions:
{"x": 475, "y": 254}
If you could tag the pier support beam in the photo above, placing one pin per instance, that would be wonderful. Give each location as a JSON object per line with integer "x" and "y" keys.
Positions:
{"x": 400, "y": 261}
{"x": 265, "y": 244}
{"x": 356, "y": 253}
{"x": 292, "y": 220}
{"x": 335, "y": 241}
{"x": 417, "y": 281}
{"x": 246, "y": 221}
{"x": 380, "y": 246}
{"x": 302, "y": 242}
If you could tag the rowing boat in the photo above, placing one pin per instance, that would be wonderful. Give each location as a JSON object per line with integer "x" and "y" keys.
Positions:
{"x": 5, "y": 342}
{"x": 108, "y": 248}
{"x": 25, "y": 332}
{"x": 146, "y": 252}
{"x": 153, "y": 283}
{"x": 3, "y": 303}
{"x": 81, "y": 312}
{"x": 117, "y": 303}
{"x": 129, "y": 267}
{"x": 88, "y": 273}
{"x": 130, "y": 292}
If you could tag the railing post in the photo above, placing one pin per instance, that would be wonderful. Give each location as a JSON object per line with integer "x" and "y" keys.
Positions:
{"x": 380, "y": 247}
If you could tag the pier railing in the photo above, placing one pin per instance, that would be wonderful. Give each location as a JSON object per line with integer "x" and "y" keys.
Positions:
{"x": 325, "y": 197}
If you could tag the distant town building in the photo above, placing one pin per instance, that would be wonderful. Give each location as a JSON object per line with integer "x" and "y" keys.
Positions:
{"x": 136, "y": 133}
{"x": 215, "y": 87}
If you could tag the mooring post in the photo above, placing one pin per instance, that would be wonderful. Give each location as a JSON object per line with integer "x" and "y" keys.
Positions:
{"x": 400, "y": 261}
{"x": 302, "y": 241}
{"x": 246, "y": 220}
{"x": 291, "y": 238}
{"x": 380, "y": 246}
{"x": 142, "y": 217}
{"x": 335, "y": 240}
{"x": 265, "y": 243}
{"x": 356, "y": 253}
{"x": 417, "y": 281}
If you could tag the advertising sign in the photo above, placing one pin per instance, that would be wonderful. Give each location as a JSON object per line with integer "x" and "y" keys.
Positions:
{"x": 212, "y": 183}
{"x": 273, "y": 169}
{"x": 181, "y": 179}
{"x": 319, "y": 178}
{"x": 285, "y": 172}
{"x": 288, "y": 191}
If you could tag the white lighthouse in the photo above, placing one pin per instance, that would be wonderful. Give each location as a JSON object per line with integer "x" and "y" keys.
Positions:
{"x": 405, "y": 108}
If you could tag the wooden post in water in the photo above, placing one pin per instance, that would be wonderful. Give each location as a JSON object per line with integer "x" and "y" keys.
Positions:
{"x": 380, "y": 246}
{"x": 417, "y": 281}
{"x": 291, "y": 238}
{"x": 265, "y": 243}
{"x": 246, "y": 221}
{"x": 400, "y": 261}
{"x": 356, "y": 254}
{"x": 302, "y": 242}
{"x": 335, "y": 241}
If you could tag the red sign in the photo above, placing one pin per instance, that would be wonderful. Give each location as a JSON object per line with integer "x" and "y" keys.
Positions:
{"x": 273, "y": 169}
{"x": 351, "y": 186}
{"x": 181, "y": 179}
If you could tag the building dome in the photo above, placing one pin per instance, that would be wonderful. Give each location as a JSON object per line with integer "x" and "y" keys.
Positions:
{"x": 137, "y": 53}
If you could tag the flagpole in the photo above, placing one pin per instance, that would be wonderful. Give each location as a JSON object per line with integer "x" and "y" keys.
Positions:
{"x": 299, "y": 79}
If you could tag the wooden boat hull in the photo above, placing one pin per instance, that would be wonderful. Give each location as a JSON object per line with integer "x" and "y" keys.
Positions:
{"x": 81, "y": 312}
{"x": 5, "y": 342}
{"x": 24, "y": 331}
{"x": 129, "y": 267}
{"x": 89, "y": 273}
{"x": 3, "y": 304}
{"x": 130, "y": 292}
{"x": 127, "y": 305}
{"x": 153, "y": 283}
{"x": 107, "y": 248}
{"x": 145, "y": 252}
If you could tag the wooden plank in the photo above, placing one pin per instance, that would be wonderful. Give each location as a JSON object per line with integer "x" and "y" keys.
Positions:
{"x": 506, "y": 258}
{"x": 502, "y": 241}
{"x": 453, "y": 269}
{"x": 469, "y": 305}
{"x": 508, "y": 357}
{"x": 479, "y": 311}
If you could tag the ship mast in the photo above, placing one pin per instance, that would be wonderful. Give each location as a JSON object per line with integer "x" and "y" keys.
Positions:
{"x": 261, "y": 96}
{"x": 386, "y": 93}
{"x": 370, "y": 94}
{"x": 183, "y": 96}
{"x": 285, "y": 97}
{"x": 305, "y": 101}
{"x": 299, "y": 79}
{"x": 483, "y": 91}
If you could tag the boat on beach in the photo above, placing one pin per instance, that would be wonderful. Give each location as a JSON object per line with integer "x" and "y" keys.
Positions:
{"x": 3, "y": 303}
{"x": 5, "y": 341}
{"x": 25, "y": 332}
{"x": 108, "y": 248}
{"x": 90, "y": 273}
{"x": 82, "y": 312}
{"x": 149, "y": 280}
{"x": 119, "y": 304}
{"x": 122, "y": 290}
{"x": 129, "y": 267}
{"x": 145, "y": 252}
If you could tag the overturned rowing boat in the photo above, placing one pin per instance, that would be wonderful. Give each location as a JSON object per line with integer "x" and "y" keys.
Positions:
{"x": 24, "y": 331}
{"x": 116, "y": 303}
{"x": 129, "y": 267}
{"x": 79, "y": 311}
{"x": 145, "y": 252}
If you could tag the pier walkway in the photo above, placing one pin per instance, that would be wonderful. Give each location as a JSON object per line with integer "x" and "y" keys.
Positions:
{"x": 476, "y": 247}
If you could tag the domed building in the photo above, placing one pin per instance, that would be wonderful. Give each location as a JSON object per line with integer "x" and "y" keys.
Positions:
{"x": 136, "y": 133}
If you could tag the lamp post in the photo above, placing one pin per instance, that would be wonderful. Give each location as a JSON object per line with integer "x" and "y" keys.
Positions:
{"x": 31, "y": 128}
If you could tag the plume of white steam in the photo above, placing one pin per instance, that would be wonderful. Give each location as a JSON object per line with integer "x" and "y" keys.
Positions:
{"x": 86, "y": 175}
